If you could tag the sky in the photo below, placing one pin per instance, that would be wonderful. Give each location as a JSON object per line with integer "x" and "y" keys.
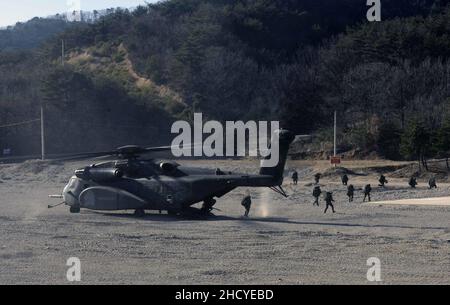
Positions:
{"x": 12, "y": 11}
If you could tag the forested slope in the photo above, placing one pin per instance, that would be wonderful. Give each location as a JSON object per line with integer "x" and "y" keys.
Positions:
{"x": 293, "y": 61}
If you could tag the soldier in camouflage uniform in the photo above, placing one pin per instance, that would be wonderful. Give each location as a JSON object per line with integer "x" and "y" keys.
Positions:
{"x": 329, "y": 201}
{"x": 350, "y": 192}
{"x": 367, "y": 191}
{"x": 317, "y": 178}
{"x": 316, "y": 193}
{"x": 412, "y": 182}
{"x": 432, "y": 183}
{"x": 345, "y": 180}
{"x": 295, "y": 177}
{"x": 247, "y": 204}
{"x": 382, "y": 181}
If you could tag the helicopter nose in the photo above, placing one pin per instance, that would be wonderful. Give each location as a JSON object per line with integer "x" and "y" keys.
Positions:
{"x": 70, "y": 199}
{"x": 72, "y": 191}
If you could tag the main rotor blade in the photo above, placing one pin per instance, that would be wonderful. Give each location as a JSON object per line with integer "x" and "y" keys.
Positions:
{"x": 167, "y": 148}
{"x": 101, "y": 154}
{"x": 57, "y": 157}
{"x": 80, "y": 156}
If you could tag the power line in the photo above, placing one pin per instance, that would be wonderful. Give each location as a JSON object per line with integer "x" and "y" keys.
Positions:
{"x": 113, "y": 125}
{"x": 20, "y": 123}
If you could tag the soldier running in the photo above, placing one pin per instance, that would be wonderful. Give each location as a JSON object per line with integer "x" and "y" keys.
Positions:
{"x": 350, "y": 192}
{"x": 208, "y": 205}
{"x": 412, "y": 182}
{"x": 295, "y": 177}
{"x": 317, "y": 178}
{"x": 316, "y": 193}
{"x": 247, "y": 203}
{"x": 382, "y": 181}
{"x": 367, "y": 191}
{"x": 329, "y": 201}
{"x": 432, "y": 183}
{"x": 344, "y": 180}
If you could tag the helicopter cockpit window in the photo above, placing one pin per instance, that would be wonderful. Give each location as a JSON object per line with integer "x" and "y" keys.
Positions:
{"x": 72, "y": 183}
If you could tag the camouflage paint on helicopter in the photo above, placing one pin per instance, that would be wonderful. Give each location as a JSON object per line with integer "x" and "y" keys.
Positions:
{"x": 134, "y": 184}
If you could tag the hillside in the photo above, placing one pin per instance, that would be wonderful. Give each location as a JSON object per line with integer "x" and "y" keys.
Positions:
{"x": 293, "y": 61}
{"x": 31, "y": 34}
{"x": 110, "y": 60}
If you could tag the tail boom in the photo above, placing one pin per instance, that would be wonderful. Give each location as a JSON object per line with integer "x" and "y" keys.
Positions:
{"x": 284, "y": 138}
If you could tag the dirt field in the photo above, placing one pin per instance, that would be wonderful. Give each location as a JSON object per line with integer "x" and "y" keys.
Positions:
{"x": 286, "y": 241}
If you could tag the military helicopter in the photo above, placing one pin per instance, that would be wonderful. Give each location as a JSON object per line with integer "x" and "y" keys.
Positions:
{"x": 132, "y": 183}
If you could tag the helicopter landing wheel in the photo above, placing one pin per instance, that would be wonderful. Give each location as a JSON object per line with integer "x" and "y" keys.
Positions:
{"x": 74, "y": 210}
{"x": 139, "y": 213}
{"x": 172, "y": 213}
{"x": 208, "y": 205}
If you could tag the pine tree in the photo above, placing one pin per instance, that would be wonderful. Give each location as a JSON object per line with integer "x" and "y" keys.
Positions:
{"x": 415, "y": 142}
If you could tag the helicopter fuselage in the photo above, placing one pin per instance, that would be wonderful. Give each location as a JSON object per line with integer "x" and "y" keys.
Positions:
{"x": 176, "y": 192}
{"x": 134, "y": 184}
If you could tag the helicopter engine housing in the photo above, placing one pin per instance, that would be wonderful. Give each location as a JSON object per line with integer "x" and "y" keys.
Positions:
{"x": 168, "y": 167}
{"x": 99, "y": 174}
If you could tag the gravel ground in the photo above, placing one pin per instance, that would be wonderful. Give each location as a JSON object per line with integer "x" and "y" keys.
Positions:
{"x": 286, "y": 241}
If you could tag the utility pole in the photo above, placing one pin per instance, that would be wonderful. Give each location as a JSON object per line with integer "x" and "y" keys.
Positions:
{"x": 334, "y": 136}
{"x": 335, "y": 124}
{"x": 62, "y": 52}
{"x": 42, "y": 133}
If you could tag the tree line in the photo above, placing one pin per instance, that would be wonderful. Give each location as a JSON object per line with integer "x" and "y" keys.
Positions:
{"x": 293, "y": 61}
